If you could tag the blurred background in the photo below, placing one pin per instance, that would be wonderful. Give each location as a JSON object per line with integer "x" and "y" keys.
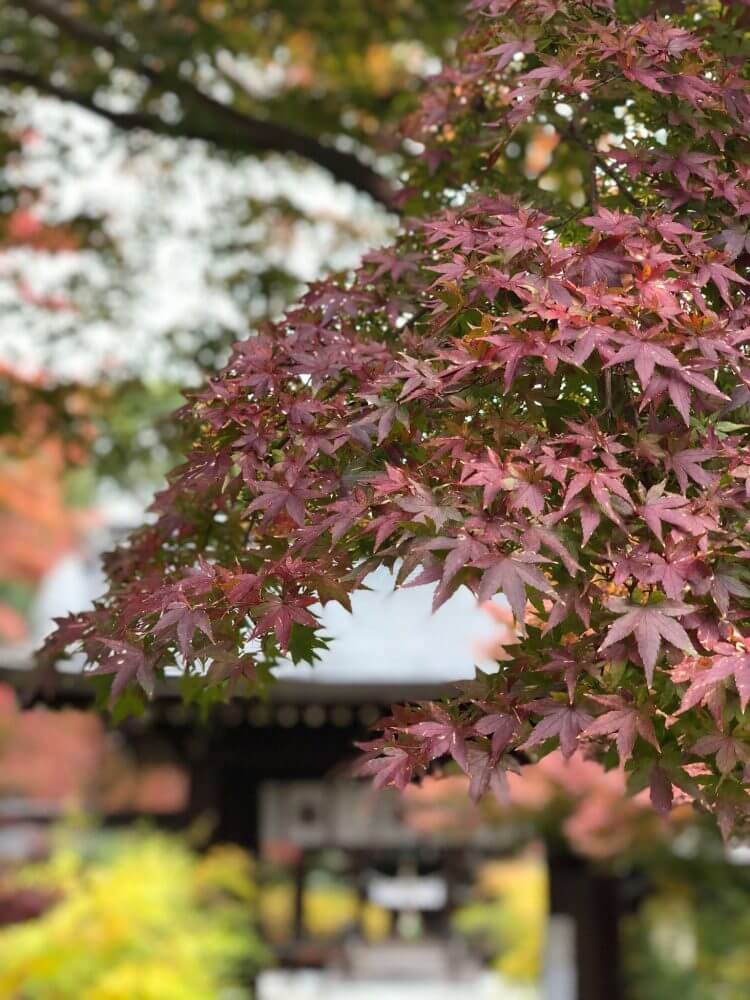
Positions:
{"x": 171, "y": 175}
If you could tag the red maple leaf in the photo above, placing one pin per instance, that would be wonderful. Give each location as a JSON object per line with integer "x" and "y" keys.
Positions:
{"x": 393, "y": 767}
{"x": 512, "y": 575}
{"x": 279, "y": 614}
{"x": 275, "y": 497}
{"x": 603, "y": 486}
{"x": 128, "y": 663}
{"x": 730, "y": 663}
{"x": 183, "y": 620}
{"x": 501, "y": 727}
{"x": 624, "y": 721}
{"x": 727, "y": 750}
{"x": 669, "y": 508}
{"x": 687, "y": 464}
{"x": 559, "y": 720}
{"x": 644, "y": 356}
{"x": 441, "y": 736}
{"x": 649, "y": 624}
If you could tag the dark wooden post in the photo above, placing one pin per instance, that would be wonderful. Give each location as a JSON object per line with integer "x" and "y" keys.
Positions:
{"x": 300, "y": 878}
{"x": 593, "y": 901}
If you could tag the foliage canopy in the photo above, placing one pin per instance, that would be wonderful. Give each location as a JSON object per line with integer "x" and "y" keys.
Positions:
{"x": 537, "y": 391}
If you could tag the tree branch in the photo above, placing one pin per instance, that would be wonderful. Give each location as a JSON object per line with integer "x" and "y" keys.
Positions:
{"x": 624, "y": 191}
{"x": 126, "y": 120}
{"x": 570, "y": 132}
{"x": 79, "y": 30}
{"x": 245, "y": 133}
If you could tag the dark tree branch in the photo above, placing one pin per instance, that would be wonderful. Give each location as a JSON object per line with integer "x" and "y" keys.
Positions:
{"x": 623, "y": 189}
{"x": 126, "y": 120}
{"x": 82, "y": 32}
{"x": 245, "y": 133}
{"x": 572, "y": 133}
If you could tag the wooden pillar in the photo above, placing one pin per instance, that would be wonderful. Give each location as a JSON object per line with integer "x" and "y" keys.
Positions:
{"x": 300, "y": 877}
{"x": 592, "y": 901}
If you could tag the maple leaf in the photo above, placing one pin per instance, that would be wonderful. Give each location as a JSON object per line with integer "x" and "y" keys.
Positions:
{"x": 645, "y": 356}
{"x": 520, "y": 231}
{"x": 727, "y": 750}
{"x": 346, "y": 513}
{"x": 128, "y": 663}
{"x": 678, "y": 385}
{"x": 562, "y": 721}
{"x": 275, "y": 497}
{"x": 721, "y": 275}
{"x": 527, "y": 488}
{"x": 612, "y": 223}
{"x": 420, "y": 379}
{"x": 735, "y": 240}
{"x": 244, "y": 589}
{"x": 686, "y": 163}
{"x": 500, "y": 727}
{"x": 442, "y": 736}
{"x": 511, "y": 575}
{"x": 394, "y": 767}
{"x": 647, "y": 77}
{"x": 200, "y": 579}
{"x": 489, "y": 474}
{"x": 462, "y": 551}
{"x": 239, "y": 672}
{"x": 387, "y": 416}
{"x": 507, "y": 50}
{"x": 552, "y": 70}
{"x": 392, "y": 264}
{"x": 73, "y": 628}
{"x": 537, "y": 536}
{"x": 660, "y": 790}
{"x": 601, "y": 262}
{"x": 686, "y": 464}
{"x": 451, "y": 273}
{"x": 725, "y": 585}
{"x": 393, "y": 480}
{"x": 676, "y": 568}
{"x": 671, "y": 509}
{"x": 588, "y": 515}
{"x": 384, "y": 526}
{"x": 623, "y": 721}
{"x": 603, "y": 486}
{"x": 730, "y": 663}
{"x": 184, "y": 620}
{"x": 649, "y": 623}
{"x": 279, "y": 614}
{"x": 426, "y": 508}
{"x": 488, "y": 772}
{"x": 586, "y": 338}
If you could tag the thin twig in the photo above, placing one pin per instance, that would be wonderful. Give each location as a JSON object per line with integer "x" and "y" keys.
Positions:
{"x": 593, "y": 189}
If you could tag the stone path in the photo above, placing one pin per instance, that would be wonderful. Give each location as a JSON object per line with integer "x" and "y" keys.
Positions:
{"x": 313, "y": 985}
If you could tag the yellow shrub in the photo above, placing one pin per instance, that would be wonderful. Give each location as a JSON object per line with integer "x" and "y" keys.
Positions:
{"x": 146, "y": 919}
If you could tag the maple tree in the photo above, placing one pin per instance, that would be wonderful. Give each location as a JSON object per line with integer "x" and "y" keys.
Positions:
{"x": 536, "y": 391}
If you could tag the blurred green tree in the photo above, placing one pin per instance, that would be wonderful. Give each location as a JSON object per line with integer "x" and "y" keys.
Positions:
{"x": 188, "y": 99}
{"x": 321, "y": 81}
